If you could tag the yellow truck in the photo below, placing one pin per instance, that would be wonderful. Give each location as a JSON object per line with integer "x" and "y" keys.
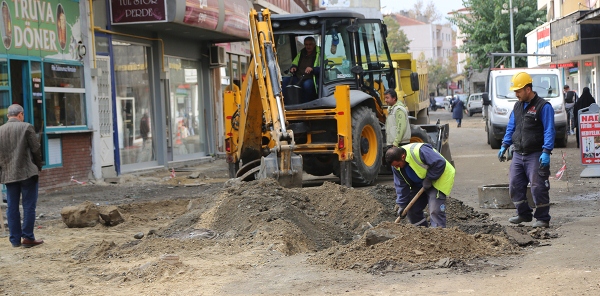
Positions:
{"x": 277, "y": 132}
{"x": 417, "y": 101}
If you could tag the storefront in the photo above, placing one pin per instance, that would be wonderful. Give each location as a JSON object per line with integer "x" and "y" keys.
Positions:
{"x": 576, "y": 49}
{"x": 165, "y": 84}
{"x": 41, "y": 68}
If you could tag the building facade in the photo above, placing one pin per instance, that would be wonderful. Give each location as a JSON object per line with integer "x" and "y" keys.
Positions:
{"x": 572, "y": 37}
{"x": 119, "y": 86}
{"x": 163, "y": 66}
{"x": 431, "y": 41}
{"x": 42, "y": 68}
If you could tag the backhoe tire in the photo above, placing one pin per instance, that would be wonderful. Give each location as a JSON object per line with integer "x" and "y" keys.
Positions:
{"x": 419, "y": 135}
{"x": 367, "y": 146}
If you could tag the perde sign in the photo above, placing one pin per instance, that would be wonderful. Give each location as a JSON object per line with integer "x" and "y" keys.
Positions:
{"x": 48, "y": 29}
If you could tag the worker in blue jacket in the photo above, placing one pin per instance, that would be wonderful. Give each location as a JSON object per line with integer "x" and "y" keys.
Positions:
{"x": 531, "y": 132}
{"x": 416, "y": 166}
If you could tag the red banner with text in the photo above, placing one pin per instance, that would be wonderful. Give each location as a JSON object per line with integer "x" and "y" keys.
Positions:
{"x": 589, "y": 138}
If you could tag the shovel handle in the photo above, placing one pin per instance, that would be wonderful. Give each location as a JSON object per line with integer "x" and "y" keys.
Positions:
{"x": 410, "y": 204}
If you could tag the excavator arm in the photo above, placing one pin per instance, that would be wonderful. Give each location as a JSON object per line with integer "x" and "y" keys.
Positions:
{"x": 256, "y": 132}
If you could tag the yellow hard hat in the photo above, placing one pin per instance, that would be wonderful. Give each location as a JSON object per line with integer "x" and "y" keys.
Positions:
{"x": 519, "y": 81}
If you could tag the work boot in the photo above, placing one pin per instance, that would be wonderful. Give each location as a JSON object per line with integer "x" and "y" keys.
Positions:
{"x": 541, "y": 224}
{"x": 519, "y": 219}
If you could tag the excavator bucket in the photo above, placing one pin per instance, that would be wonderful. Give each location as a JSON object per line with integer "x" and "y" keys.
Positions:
{"x": 286, "y": 169}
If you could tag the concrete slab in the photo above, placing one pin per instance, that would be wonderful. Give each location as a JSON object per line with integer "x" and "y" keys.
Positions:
{"x": 496, "y": 196}
{"x": 520, "y": 239}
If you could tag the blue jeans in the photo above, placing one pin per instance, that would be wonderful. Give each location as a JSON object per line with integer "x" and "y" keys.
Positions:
{"x": 526, "y": 169}
{"x": 29, "y": 189}
{"x": 570, "y": 119}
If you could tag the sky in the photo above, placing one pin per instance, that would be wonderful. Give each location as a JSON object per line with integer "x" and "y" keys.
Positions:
{"x": 443, "y": 7}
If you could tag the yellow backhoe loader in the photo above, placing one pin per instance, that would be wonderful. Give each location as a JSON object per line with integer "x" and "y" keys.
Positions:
{"x": 275, "y": 130}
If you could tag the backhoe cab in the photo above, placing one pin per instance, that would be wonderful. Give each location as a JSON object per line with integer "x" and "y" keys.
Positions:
{"x": 338, "y": 128}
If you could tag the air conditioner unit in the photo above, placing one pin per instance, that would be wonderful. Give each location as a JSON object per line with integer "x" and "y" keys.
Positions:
{"x": 217, "y": 56}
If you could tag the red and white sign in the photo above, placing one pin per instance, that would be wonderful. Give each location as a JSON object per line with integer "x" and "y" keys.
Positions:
{"x": 589, "y": 138}
{"x": 544, "y": 44}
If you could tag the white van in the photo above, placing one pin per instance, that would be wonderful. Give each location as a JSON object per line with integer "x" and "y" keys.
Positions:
{"x": 474, "y": 104}
{"x": 501, "y": 100}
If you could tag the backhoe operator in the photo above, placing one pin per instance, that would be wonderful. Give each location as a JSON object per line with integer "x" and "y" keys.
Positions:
{"x": 305, "y": 67}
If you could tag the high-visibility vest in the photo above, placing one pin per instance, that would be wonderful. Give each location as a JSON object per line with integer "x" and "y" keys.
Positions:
{"x": 413, "y": 158}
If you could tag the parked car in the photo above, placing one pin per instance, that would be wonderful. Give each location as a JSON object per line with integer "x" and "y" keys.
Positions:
{"x": 463, "y": 97}
{"x": 448, "y": 103}
{"x": 440, "y": 103}
{"x": 474, "y": 103}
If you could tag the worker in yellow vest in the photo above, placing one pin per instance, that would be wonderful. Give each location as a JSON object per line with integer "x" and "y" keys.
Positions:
{"x": 416, "y": 166}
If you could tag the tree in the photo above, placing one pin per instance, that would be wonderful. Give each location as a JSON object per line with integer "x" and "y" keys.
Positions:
{"x": 427, "y": 14}
{"x": 439, "y": 74}
{"x": 486, "y": 29}
{"x": 396, "y": 39}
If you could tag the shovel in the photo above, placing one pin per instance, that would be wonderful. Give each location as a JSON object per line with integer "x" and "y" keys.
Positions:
{"x": 410, "y": 204}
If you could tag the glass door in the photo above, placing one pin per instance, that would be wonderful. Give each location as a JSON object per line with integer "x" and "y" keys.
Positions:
{"x": 26, "y": 90}
{"x": 187, "y": 132}
{"x": 135, "y": 106}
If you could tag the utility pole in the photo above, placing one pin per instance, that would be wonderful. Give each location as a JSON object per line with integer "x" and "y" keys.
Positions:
{"x": 512, "y": 34}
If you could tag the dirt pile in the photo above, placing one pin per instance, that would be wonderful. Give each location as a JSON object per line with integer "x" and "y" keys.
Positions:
{"x": 290, "y": 220}
{"x": 331, "y": 220}
{"x": 409, "y": 248}
{"x": 345, "y": 228}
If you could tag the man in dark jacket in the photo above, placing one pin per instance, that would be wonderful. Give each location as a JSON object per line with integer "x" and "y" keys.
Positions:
{"x": 531, "y": 130}
{"x": 570, "y": 99}
{"x": 20, "y": 162}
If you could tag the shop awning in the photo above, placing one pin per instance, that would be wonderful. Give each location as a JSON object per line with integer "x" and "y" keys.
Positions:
{"x": 591, "y": 17}
{"x": 210, "y": 20}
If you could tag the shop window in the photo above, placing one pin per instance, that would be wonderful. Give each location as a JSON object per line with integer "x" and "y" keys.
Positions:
{"x": 64, "y": 96}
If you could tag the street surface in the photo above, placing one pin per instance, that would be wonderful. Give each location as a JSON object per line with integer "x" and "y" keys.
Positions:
{"x": 242, "y": 239}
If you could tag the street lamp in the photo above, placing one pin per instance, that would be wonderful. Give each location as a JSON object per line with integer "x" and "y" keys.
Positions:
{"x": 512, "y": 35}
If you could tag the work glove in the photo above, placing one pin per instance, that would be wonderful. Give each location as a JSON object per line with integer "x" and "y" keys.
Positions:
{"x": 545, "y": 160}
{"x": 511, "y": 151}
{"x": 398, "y": 209}
{"x": 335, "y": 40}
{"x": 501, "y": 157}
{"x": 426, "y": 183}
